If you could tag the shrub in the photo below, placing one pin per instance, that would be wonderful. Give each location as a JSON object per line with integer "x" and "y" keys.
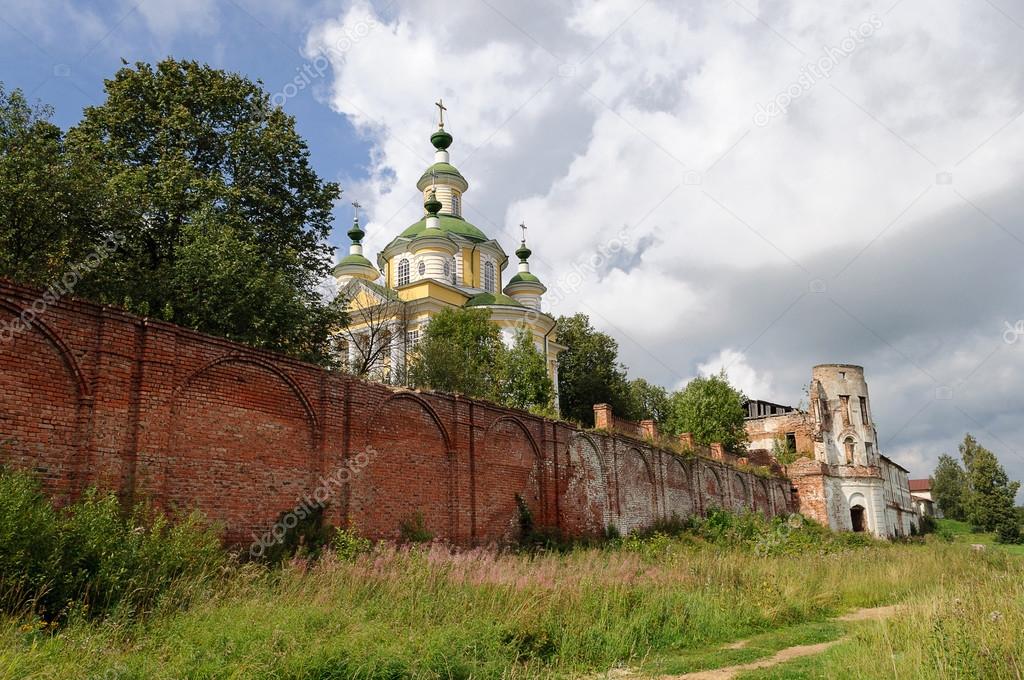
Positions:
{"x": 413, "y": 529}
{"x": 348, "y": 545}
{"x": 92, "y": 558}
{"x": 307, "y": 538}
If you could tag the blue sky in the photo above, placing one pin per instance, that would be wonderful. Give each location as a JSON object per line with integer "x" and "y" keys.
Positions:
{"x": 54, "y": 61}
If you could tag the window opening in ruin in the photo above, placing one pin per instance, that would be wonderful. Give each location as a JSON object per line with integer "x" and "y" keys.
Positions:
{"x": 845, "y": 401}
{"x": 864, "y": 410}
{"x": 849, "y": 450}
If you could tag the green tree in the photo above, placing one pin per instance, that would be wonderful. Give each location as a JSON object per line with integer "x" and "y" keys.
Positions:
{"x": 44, "y": 225}
{"x": 949, "y": 484}
{"x": 221, "y": 221}
{"x": 712, "y": 410}
{"x": 647, "y": 401}
{"x": 522, "y": 377}
{"x": 589, "y": 371}
{"x": 458, "y": 353}
{"x": 990, "y": 501}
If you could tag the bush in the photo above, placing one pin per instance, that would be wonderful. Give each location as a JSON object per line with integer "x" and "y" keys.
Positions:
{"x": 92, "y": 559}
{"x": 348, "y": 545}
{"x": 413, "y": 529}
{"x": 307, "y": 538}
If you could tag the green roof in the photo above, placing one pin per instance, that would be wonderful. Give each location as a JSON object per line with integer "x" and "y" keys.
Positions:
{"x": 485, "y": 299}
{"x": 355, "y": 259}
{"x": 524, "y": 277}
{"x": 441, "y": 169}
{"x": 387, "y": 293}
{"x": 449, "y": 224}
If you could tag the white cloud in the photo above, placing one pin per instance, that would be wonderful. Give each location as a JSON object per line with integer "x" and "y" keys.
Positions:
{"x": 584, "y": 119}
{"x": 740, "y": 373}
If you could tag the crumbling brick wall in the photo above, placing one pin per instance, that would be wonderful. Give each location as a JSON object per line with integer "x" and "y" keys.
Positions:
{"x": 91, "y": 396}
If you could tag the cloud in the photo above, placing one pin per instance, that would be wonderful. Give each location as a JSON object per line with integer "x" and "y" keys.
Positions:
{"x": 740, "y": 373}
{"x": 874, "y": 222}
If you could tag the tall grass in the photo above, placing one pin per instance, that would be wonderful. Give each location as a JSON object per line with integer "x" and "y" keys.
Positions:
{"x": 433, "y": 613}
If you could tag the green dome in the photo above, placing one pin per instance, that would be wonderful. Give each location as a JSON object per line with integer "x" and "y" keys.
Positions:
{"x": 356, "y": 260}
{"x": 524, "y": 277}
{"x": 441, "y": 139}
{"x": 440, "y": 169}
{"x": 449, "y": 224}
{"x": 485, "y": 299}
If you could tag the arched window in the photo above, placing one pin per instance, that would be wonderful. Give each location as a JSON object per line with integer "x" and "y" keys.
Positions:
{"x": 489, "y": 277}
{"x": 849, "y": 450}
{"x": 403, "y": 272}
{"x": 422, "y": 268}
{"x": 455, "y": 272}
{"x": 456, "y": 203}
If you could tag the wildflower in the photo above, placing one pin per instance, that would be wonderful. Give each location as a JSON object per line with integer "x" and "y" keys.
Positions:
{"x": 995, "y": 617}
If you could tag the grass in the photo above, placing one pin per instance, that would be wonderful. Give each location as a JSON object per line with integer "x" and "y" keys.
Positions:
{"x": 428, "y": 612}
{"x": 962, "y": 532}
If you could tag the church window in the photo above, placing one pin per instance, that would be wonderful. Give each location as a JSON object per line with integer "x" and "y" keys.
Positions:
{"x": 403, "y": 272}
{"x": 489, "y": 277}
{"x": 869, "y": 451}
{"x": 448, "y": 264}
{"x": 412, "y": 338}
{"x": 849, "y": 450}
{"x": 456, "y": 200}
{"x": 422, "y": 268}
{"x": 844, "y": 399}
{"x": 864, "y": 410}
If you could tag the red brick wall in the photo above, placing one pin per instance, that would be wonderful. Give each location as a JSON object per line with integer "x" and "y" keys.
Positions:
{"x": 90, "y": 396}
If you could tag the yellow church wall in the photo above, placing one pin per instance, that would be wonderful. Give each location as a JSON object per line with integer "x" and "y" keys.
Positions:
{"x": 429, "y": 289}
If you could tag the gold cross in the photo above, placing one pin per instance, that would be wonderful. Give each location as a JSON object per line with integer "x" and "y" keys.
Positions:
{"x": 441, "y": 108}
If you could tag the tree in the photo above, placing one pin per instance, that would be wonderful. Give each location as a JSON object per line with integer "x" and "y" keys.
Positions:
{"x": 376, "y": 322}
{"x": 44, "y": 226}
{"x": 522, "y": 377}
{"x": 589, "y": 371}
{"x": 990, "y": 501}
{"x": 221, "y": 221}
{"x": 710, "y": 409}
{"x": 647, "y": 401}
{"x": 458, "y": 353}
{"x": 949, "y": 484}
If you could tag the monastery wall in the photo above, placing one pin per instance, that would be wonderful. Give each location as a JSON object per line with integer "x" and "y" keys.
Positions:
{"x": 91, "y": 396}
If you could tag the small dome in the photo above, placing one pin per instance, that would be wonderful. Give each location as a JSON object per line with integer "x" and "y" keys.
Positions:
{"x": 441, "y": 139}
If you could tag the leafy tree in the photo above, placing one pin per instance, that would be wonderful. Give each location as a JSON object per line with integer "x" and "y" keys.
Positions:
{"x": 221, "y": 221}
{"x": 458, "y": 353}
{"x": 712, "y": 410}
{"x": 783, "y": 450}
{"x": 949, "y": 484}
{"x": 44, "y": 226}
{"x": 522, "y": 376}
{"x": 990, "y": 499}
{"x": 589, "y": 371}
{"x": 647, "y": 401}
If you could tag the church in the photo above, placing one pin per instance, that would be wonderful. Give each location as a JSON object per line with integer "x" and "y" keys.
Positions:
{"x": 440, "y": 261}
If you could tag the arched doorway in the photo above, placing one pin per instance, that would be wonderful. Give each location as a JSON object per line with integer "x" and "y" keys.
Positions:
{"x": 857, "y": 518}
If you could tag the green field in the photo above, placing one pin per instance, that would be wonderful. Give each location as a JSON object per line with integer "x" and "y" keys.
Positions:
{"x": 653, "y": 606}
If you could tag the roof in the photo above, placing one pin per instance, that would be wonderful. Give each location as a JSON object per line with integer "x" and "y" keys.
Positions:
{"x": 355, "y": 259}
{"x": 523, "y": 277}
{"x": 920, "y": 485}
{"x": 893, "y": 463}
{"x": 488, "y": 299}
{"x": 449, "y": 224}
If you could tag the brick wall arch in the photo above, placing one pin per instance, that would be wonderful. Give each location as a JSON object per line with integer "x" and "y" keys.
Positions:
{"x": 585, "y": 506}
{"x": 242, "y": 445}
{"x": 636, "y": 485}
{"x": 42, "y": 398}
{"x": 679, "y": 491}
{"x": 508, "y": 464}
{"x": 409, "y": 471}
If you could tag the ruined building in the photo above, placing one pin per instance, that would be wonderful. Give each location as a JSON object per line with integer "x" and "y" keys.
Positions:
{"x": 839, "y": 474}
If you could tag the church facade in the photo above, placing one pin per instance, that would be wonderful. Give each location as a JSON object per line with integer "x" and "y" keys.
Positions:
{"x": 440, "y": 261}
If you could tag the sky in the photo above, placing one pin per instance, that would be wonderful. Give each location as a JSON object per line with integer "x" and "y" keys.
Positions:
{"x": 754, "y": 186}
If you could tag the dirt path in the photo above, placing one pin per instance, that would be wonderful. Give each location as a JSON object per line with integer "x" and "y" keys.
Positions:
{"x": 781, "y": 656}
